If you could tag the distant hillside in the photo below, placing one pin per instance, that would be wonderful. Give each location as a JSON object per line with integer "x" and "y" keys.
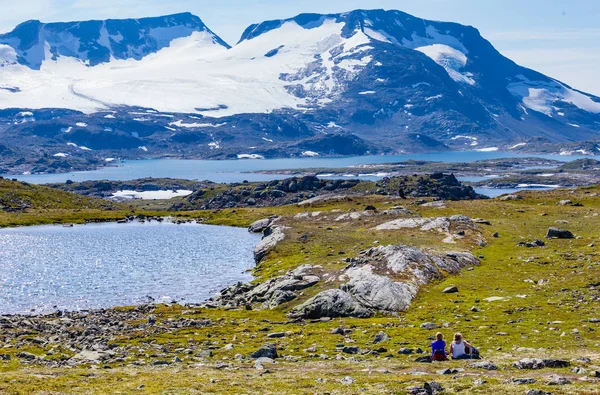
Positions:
{"x": 16, "y": 196}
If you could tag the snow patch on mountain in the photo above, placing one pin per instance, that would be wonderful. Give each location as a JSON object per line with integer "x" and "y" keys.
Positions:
{"x": 547, "y": 96}
{"x": 8, "y": 55}
{"x": 452, "y": 60}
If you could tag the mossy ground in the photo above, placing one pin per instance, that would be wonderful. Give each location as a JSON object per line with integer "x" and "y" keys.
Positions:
{"x": 546, "y": 305}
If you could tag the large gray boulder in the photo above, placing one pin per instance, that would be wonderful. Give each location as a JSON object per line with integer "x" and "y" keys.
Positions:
{"x": 260, "y": 225}
{"x": 557, "y": 233}
{"x": 330, "y": 303}
{"x": 379, "y": 292}
{"x": 266, "y": 351}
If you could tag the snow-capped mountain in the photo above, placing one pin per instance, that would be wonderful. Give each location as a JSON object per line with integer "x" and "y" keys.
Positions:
{"x": 96, "y": 42}
{"x": 371, "y": 80}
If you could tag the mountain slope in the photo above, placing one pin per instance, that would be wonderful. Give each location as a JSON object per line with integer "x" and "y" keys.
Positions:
{"x": 384, "y": 81}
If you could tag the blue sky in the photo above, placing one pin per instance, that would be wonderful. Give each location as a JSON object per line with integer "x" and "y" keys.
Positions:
{"x": 560, "y": 38}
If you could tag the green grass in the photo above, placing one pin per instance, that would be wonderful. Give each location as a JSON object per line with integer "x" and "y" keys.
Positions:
{"x": 534, "y": 314}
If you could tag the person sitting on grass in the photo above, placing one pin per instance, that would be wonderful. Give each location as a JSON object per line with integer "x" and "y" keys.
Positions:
{"x": 438, "y": 348}
{"x": 461, "y": 349}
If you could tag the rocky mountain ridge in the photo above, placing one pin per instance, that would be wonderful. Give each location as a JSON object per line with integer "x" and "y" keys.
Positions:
{"x": 365, "y": 81}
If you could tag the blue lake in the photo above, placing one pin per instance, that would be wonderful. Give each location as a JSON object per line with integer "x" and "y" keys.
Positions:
{"x": 45, "y": 268}
{"x": 236, "y": 170}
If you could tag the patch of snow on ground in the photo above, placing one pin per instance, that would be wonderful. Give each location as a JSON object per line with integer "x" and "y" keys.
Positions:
{"x": 250, "y": 156}
{"x": 367, "y": 93}
{"x": 214, "y": 145}
{"x": 418, "y": 84}
{"x": 267, "y": 140}
{"x": 81, "y": 124}
{"x": 110, "y": 116}
{"x": 460, "y": 136}
{"x": 81, "y": 147}
{"x": 181, "y": 124}
{"x": 143, "y": 148}
{"x": 60, "y": 155}
{"x": 537, "y": 186}
{"x": 518, "y": 145}
{"x": 151, "y": 195}
{"x": 487, "y": 149}
{"x": 574, "y": 125}
{"x": 108, "y": 160}
{"x": 310, "y": 153}
{"x": 433, "y": 97}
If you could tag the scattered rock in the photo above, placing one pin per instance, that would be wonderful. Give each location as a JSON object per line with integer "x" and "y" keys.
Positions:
{"x": 450, "y": 290}
{"x": 347, "y": 380}
{"x": 557, "y": 233}
{"x": 511, "y": 197}
{"x": 558, "y": 380}
{"x": 425, "y": 359}
{"x": 429, "y": 325}
{"x": 427, "y": 389}
{"x": 532, "y": 244}
{"x": 405, "y": 351}
{"x": 276, "y": 335}
{"x": 90, "y": 356}
{"x": 351, "y": 350}
{"x": 380, "y": 338}
{"x": 484, "y": 365}
{"x": 578, "y": 370}
{"x": 266, "y": 351}
{"x": 204, "y": 354}
{"x": 538, "y": 363}
{"x": 522, "y": 380}
{"x": 26, "y": 356}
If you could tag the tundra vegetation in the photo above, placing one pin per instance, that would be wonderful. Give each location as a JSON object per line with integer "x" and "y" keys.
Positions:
{"x": 528, "y": 302}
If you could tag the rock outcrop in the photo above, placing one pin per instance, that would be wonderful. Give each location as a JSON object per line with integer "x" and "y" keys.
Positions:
{"x": 271, "y": 293}
{"x": 272, "y": 236}
{"x": 384, "y": 279}
{"x": 330, "y": 303}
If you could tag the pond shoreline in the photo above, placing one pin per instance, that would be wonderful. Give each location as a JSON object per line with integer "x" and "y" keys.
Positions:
{"x": 105, "y": 265}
